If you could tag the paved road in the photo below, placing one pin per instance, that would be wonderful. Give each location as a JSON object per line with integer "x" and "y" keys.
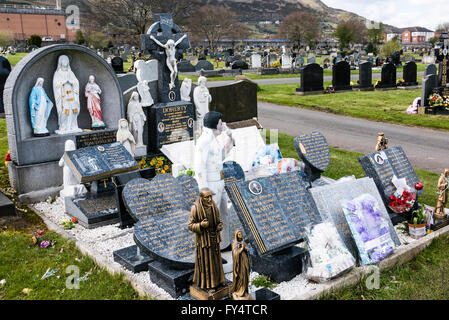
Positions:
{"x": 426, "y": 149}
{"x": 354, "y": 77}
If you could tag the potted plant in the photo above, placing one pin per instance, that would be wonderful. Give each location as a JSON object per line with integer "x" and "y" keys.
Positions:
{"x": 417, "y": 224}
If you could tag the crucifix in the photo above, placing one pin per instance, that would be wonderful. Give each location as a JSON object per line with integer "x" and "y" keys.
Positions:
{"x": 166, "y": 42}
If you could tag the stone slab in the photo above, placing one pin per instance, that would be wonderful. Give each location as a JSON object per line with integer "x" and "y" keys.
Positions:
{"x": 175, "y": 281}
{"x": 7, "y": 207}
{"x": 127, "y": 257}
{"x": 280, "y": 267}
{"x": 93, "y": 211}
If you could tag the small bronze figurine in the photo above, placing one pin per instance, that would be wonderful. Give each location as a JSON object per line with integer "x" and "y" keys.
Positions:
{"x": 382, "y": 142}
{"x": 209, "y": 281}
{"x": 241, "y": 271}
{"x": 443, "y": 184}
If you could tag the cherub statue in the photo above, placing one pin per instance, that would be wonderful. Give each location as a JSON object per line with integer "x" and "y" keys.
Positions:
{"x": 170, "y": 51}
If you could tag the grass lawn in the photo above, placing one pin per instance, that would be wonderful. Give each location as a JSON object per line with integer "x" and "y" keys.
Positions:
{"x": 14, "y": 59}
{"x": 384, "y": 106}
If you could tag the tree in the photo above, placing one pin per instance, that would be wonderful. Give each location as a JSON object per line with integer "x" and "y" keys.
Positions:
{"x": 98, "y": 40}
{"x": 6, "y": 39}
{"x": 443, "y": 27}
{"x": 35, "y": 40}
{"x": 390, "y": 46}
{"x": 433, "y": 40}
{"x": 136, "y": 16}
{"x": 375, "y": 35}
{"x": 239, "y": 32}
{"x": 350, "y": 31}
{"x": 212, "y": 23}
{"x": 79, "y": 37}
{"x": 300, "y": 27}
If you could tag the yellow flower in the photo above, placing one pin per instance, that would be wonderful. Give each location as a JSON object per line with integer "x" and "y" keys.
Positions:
{"x": 162, "y": 171}
{"x": 152, "y": 163}
{"x": 165, "y": 167}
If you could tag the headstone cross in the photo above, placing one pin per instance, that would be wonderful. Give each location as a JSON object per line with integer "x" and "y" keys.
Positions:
{"x": 165, "y": 41}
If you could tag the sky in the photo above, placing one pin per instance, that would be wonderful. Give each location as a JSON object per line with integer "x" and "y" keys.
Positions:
{"x": 399, "y": 13}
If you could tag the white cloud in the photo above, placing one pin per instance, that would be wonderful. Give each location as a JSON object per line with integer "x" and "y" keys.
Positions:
{"x": 399, "y": 13}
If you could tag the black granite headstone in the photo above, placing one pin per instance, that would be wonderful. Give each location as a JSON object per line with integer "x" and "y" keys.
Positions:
{"x": 185, "y": 66}
{"x": 162, "y": 208}
{"x": 169, "y": 123}
{"x": 236, "y": 101}
{"x": 99, "y": 162}
{"x": 274, "y": 210}
{"x": 388, "y": 76}
{"x": 341, "y": 76}
{"x": 410, "y": 74}
{"x": 365, "y": 75}
{"x": 120, "y": 180}
{"x": 117, "y": 65}
{"x": 204, "y": 64}
{"x": 239, "y": 64}
{"x": 313, "y": 150}
{"x": 5, "y": 70}
{"x": 311, "y": 78}
{"x": 96, "y": 138}
{"x": 383, "y": 165}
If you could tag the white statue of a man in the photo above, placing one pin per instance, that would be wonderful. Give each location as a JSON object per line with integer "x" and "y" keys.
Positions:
{"x": 72, "y": 188}
{"x": 145, "y": 95}
{"x": 136, "y": 118}
{"x": 125, "y": 137}
{"x": 66, "y": 92}
{"x": 170, "y": 52}
{"x": 186, "y": 88}
{"x": 208, "y": 165}
{"x": 201, "y": 98}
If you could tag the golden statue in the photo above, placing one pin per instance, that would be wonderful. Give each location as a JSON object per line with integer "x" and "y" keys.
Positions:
{"x": 382, "y": 142}
{"x": 241, "y": 271}
{"x": 208, "y": 279}
{"x": 442, "y": 195}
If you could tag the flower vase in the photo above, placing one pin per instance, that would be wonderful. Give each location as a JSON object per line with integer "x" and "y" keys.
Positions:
{"x": 417, "y": 231}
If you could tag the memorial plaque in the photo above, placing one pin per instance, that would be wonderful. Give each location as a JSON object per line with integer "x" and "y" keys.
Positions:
{"x": 313, "y": 150}
{"x": 383, "y": 165}
{"x": 274, "y": 210}
{"x": 98, "y": 162}
{"x": 162, "y": 208}
{"x": 328, "y": 200}
{"x": 96, "y": 138}
{"x": 171, "y": 122}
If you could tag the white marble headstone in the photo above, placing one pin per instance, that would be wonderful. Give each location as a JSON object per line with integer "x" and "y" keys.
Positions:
{"x": 146, "y": 70}
{"x": 256, "y": 61}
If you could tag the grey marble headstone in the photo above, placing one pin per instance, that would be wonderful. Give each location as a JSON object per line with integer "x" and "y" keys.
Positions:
{"x": 328, "y": 200}
{"x": 161, "y": 208}
{"x": 314, "y": 150}
{"x": 430, "y": 69}
{"x": 429, "y": 83}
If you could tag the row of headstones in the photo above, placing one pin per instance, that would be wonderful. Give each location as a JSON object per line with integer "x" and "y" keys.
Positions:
{"x": 312, "y": 76}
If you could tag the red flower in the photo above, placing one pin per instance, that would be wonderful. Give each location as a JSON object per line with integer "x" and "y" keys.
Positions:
{"x": 419, "y": 186}
{"x": 40, "y": 232}
{"x": 8, "y": 156}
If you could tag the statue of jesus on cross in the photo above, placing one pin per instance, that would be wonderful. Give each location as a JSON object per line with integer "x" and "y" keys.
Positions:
{"x": 170, "y": 52}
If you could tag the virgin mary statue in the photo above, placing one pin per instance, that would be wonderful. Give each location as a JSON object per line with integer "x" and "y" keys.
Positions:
{"x": 66, "y": 91}
{"x": 92, "y": 93}
{"x": 40, "y": 108}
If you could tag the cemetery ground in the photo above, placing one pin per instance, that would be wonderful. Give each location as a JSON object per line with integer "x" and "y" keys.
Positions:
{"x": 23, "y": 275}
{"x": 384, "y": 106}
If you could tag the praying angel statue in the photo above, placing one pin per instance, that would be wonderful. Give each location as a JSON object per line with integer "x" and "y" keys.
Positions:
{"x": 170, "y": 51}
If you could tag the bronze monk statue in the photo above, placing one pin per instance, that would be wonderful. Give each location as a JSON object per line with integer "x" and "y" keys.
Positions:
{"x": 205, "y": 222}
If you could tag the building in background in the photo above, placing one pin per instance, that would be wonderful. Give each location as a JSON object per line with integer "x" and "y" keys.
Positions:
{"x": 22, "y": 21}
